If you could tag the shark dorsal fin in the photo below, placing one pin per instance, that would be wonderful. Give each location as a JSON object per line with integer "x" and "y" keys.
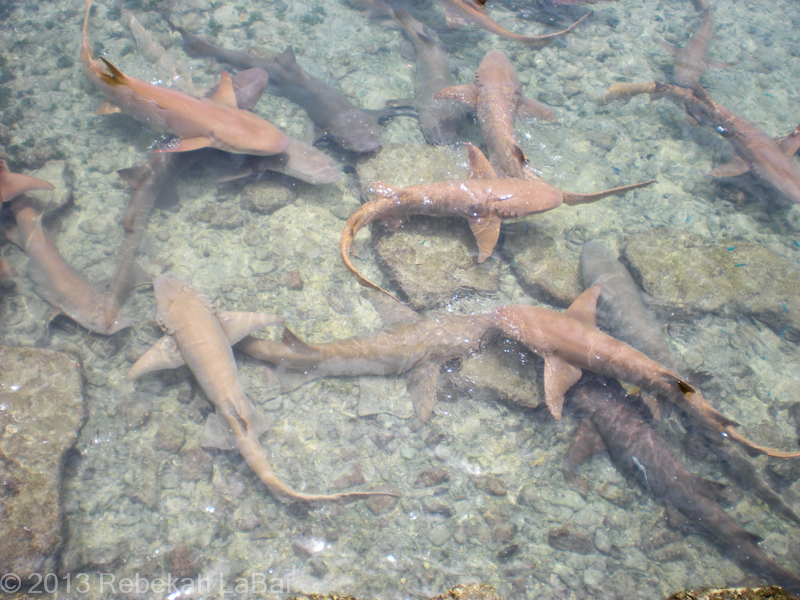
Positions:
{"x": 584, "y": 309}
{"x": 287, "y": 58}
{"x": 295, "y": 343}
{"x": 113, "y": 76}
{"x": 479, "y": 167}
{"x": 238, "y": 325}
{"x": 225, "y": 94}
{"x": 528, "y": 108}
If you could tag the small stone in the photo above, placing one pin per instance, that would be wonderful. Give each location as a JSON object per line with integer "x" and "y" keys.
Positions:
{"x": 504, "y": 532}
{"x": 380, "y": 505}
{"x": 291, "y": 280}
{"x": 431, "y": 478}
{"x": 439, "y": 535}
{"x": 490, "y": 485}
{"x": 169, "y": 437}
{"x": 569, "y": 539}
{"x": 437, "y": 506}
{"x": 183, "y": 561}
{"x": 196, "y": 465}
{"x": 593, "y": 579}
{"x": 348, "y": 477}
{"x": 380, "y": 437}
{"x": 317, "y": 567}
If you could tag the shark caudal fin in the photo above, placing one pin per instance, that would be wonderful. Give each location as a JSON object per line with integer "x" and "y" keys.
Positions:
{"x": 363, "y": 216}
{"x": 573, "y": 199}
{"x": 560, "y": 375}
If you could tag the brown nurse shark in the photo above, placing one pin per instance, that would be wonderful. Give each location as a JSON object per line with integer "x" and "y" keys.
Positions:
{"x": 11, "y": 186}
{"x": 418, "y": 349}
{"x": 484, "y": 199}
{"x": 692, "y": 61}
{"x": 349, "y": 127}
{"x": 766, "y": 159}
{"x": 199, "y": 336}
{"x": 64, "y": 288}
{"x": 615, "y": 425}
{"x": 496, "y": 98}
{"x": 571, "y": 342}
{"x": 463, "y": 12}
{"x": 198, "y": 122}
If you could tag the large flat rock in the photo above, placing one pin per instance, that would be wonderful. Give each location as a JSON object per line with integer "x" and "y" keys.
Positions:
{"x": 690, "y": 275}
{"x": 41, "y": 414}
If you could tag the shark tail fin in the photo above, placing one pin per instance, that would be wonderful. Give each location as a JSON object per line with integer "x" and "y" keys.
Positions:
{"x": 113, "y": 76}
{"x": 573, "y": 198}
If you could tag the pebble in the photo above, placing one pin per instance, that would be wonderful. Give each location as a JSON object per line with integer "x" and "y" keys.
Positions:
{"x": 439, "y": 535}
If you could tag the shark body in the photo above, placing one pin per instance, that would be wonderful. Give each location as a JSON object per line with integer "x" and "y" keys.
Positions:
{"x": 613, "y": 424}
{"x": 768, "y": 160}
{"x": 54, "y": 279}
{"x": 484, "y": 199}
{"x": 198, "y": 122}
{"x": 418, "y": 349}
{"x": 570, "y": 342}
{"x": 463, "y": 12}
{"x": 349, "y": 127}
{"x": 200, "y": 337}
{"x": 497, "y": 100}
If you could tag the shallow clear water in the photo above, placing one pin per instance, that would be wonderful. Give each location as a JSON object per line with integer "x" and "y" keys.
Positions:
{"x": 142, "y": 498}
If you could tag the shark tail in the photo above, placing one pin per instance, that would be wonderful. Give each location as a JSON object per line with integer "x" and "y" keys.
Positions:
{"x": 541, "y": 41}
{"x": 573, "y": 199}
{"x": 363, "y": 216}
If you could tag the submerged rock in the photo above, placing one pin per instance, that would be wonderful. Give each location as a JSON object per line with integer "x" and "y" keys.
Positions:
{"x": 770, "y": 592}
{"x": 540, "y": 267}
{"x": 432, "y": 261}
{"x": 725, "y": 277}
{"x": 41, "y": 414}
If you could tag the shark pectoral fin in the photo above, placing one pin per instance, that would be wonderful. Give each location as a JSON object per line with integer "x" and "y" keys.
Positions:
{"x": 791, "y": 143}
{"x": 677, "y": 520}
{"x": 667, "y": 46}
{"x": 586, "y": 442}
{"x": 486, "y": 231}
{"x": 559, "y": 376}
{"x": 479, "y": 166}
{"x": 734, "y": 167}
{"x": 217, "y": 434}
{"x": 290, "y": 380}
{"x": 164, "y": 354}
{"x": 708, "y": 488}
{"x": 135, "y": 176}
{"x": 528, "y": 108}
{"x": 652, "y": 403}
{"x": 257, "y": 422}
{"x": 225, "y": 94}
{"x": 453, "y": 18}
{"x": 14, "y": 184}
{"x": 421, "y": 384}
{"x": 238, "y": 325}
{"x": 584, "y": 308}
{"x": 106, "y": 108}
{"x": 187, "y": 144}
{"x": 466, "y": 94}
{"x": 720, "y": 64}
